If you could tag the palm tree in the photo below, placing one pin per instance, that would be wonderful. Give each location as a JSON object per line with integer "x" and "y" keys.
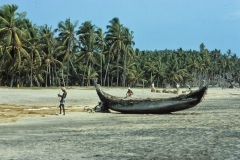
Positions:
{"x": 91, "y": 75}
{"x": 115, "y": 40}
{"x": 67, "y": 37}
{"x": 193, "y": 65}
{"x": 11, "y": 24}
{"x": 33, "y": 47}
{"x": 150, "y": 67}
{"x": 100, "y": 42}
{"x": 50, "y": 60}
{"x": 136, "y": 75}
{"x": 224, "y": 63}
{"x": 87, "y": 37}
{"x": 3, "y": 53}
{"x": 175, "y": 75}
{"x": 202, "y": 47}
{"x": 128, "y": 41}
{"x": 3, "y": 50}
{"x": 160, "y": 69}
{"x": 49, "y": 54}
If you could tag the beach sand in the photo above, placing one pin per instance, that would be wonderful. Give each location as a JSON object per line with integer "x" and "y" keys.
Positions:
{"x": 31, "y": 128}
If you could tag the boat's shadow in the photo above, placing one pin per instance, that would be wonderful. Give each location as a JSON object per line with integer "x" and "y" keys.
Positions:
{"x": 173, "y": 114}
{"x": 193, "y": 113}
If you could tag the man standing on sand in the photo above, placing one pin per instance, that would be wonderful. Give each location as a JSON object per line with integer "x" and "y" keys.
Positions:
{"x": 189, "y": 88}
{"x": 129, "y": 92}
{"x": 177, "y": 86}
{"x": 62, "y": 101}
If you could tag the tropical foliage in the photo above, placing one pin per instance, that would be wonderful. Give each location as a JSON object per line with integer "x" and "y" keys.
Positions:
{"x": 32, "y": 55}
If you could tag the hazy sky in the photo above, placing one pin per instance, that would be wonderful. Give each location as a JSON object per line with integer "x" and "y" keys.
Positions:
{"x": 157, "y": 24}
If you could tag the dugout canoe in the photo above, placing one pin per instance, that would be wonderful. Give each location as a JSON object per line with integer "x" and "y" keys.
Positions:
{"x": 150, "y": 105}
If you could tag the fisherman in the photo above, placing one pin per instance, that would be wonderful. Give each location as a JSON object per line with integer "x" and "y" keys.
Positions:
{"x": 129, "y": 92}
{"x": 189, "y": 88}
{"x": 177, "y": 86}
{"x": 63, "y": 99}
{"x": 153, "y": 88}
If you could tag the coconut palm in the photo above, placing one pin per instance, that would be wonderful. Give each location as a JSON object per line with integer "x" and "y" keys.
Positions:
{"x": 150, "y": 68}
{"x": 175, "y": 75}
{"x": 67, "y": 37}
{"x": 193, "y": 65}
{"x": 11, "y": 24}
{"x": 91, "y": 75}
{"x": 202, "y": 47}
{"x": 100, "y": 43}
{"x": 160, "y": 69}
{"x": 50, "y": 55}
{"x": 115, "y": 40}
{"x": 87, "y": 37}
{"x": 128, "y": 41}
{"x": 33, "y": 47}
{"x": 136, "y": 74}
{"x": 3, "y": 50}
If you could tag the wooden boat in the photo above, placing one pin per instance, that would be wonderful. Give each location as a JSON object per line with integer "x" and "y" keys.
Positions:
{"x": 150, "y": 105}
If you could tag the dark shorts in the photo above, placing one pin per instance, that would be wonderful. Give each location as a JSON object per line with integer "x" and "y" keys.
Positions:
{"x": 62, "y": 101}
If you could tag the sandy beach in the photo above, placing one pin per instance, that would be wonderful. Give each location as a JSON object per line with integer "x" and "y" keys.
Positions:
{"x": 31, "y": 128}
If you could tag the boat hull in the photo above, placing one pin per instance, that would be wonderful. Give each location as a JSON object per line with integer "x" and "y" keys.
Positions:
{"x": 151, "y": 106}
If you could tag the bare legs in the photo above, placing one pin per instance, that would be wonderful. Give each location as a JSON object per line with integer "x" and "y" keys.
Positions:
{"x": 61, "y": 107}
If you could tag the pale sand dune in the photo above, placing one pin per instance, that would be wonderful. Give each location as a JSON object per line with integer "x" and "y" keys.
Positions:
{"x": 208, "y": 131}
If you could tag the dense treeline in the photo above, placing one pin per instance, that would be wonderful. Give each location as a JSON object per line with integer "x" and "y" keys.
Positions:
{"x": 32, "y": 55}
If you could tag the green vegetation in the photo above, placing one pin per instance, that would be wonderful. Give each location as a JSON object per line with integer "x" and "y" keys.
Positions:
{"x": 39, "y": 56}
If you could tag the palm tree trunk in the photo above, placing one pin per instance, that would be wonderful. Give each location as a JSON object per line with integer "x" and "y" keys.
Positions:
{"x": 55, "y": 71}
{"x": 3, "y": 58}
{"x": 12, "y": 76}
{"x": 63, "y": 79}
{"x": 67, "y": 70}
{"x": 108, "y": 80}
{"x": 112, "y": 81}
{"x": 53, "y": 76}
{"x": 106, "y": 71}
{"x": 50, "y": 75}
{"x": 124, "y": 70}
{"x": 90, "y": 67}
{"x": 151, "y": 77}
{"x": 74, "y": 69}
{"x": 85, "y": 72}
{"x": 46, "y": 76}
{"x": 19, "y": 77}
{"x": 31, "y": 84}
{"x": 68, "y": 60}
{"x": 224, "y": 78}
{"x": 117, "y": 69}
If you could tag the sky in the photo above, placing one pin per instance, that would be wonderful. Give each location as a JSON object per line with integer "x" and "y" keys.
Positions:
{"x": 157, "y": 24}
